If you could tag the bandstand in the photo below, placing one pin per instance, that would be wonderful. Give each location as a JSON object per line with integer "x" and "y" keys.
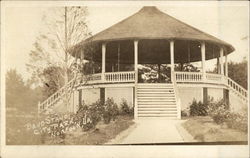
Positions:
{"x": 120, "y": 53}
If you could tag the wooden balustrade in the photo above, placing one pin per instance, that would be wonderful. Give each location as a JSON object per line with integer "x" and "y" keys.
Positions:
{"x": 242, "y": 92}
{"x": 120, "y": 76}
{"x": 212, "y": 78}
{"x": 215, "y": 78}
{"x": 116, "y": 77}
{"x": 54, "y": 97}
{"x": 188, "y": 76}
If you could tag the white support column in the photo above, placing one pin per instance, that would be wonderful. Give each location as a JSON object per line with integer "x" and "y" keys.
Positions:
{"x": 218, "y": 65}
{"x": 136, "y": 78}
{"x": 172, "y": 59}
{"x": 103, "y": 61}
{"x": 203, "y": 60}
{"x": 221, "y": 61}
{"x": 136, "y": 60}
{"x": 118, "y": 56}
{"x": 226, "y": 66}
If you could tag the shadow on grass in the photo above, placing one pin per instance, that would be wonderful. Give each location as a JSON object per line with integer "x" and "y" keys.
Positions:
{"x": 204, "y": 129}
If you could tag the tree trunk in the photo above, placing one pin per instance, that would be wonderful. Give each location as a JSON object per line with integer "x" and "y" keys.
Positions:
{"x": 66, "y": 77}
{"x": 181, "y": 65}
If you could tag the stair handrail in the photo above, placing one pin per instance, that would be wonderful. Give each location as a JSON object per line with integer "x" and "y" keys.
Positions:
{"x": 232, "y": 85}
{"x": 178, "y": 100}
{"x": 54, "y": 97}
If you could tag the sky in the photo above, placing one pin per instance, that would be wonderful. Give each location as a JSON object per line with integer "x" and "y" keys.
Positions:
{"x": 227, "y": 21}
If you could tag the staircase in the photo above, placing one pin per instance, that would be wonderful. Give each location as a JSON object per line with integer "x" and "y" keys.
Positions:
{"x": 156, "y": 100}
{"x": 238, "y": 90}
{"x": 55, "y": 99}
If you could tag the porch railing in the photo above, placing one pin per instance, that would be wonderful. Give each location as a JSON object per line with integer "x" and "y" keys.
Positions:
{"x": 185, "y": 77}
{"x": 108, "y": 77}
{"x": 94, "y": 78}
{"x": 128, "y": 76}
{"x": 238, "y": 89}
{"x": 113, "y": 77}
{"x": 215, "y": 78}
{"x": 188, "y": 76}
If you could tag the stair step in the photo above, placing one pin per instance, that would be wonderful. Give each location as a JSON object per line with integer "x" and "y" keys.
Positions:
{"x": 155, "y": 100}
{"x": 156, "y": 97}
{"x": 156, "y": 88}
{"x": 157, "y": 112}
{"x": 154, "y": 84}
{"x": 156, "y": 103}
{"x": 154, "y": 92}
{"x": 157, "y": 106}
{"x": 157, "y": 115}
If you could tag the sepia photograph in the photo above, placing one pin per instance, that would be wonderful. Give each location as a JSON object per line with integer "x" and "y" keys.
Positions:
{"x": 125, "y": 74}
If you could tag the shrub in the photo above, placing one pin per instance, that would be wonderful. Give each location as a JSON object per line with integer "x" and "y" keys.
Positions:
{"x": 90, "y": 115}
{"x": 220, "y": 113}
{"x": 237, "y": 121}
{"x": 125, "y": 109}
{"x": 111, "y": 110}
{"x": 185, "y": 112}
{"x": 87, "y": 117}
{"x": 198, "y": 108}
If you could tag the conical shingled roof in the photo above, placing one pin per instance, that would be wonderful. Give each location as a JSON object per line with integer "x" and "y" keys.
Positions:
{"x": 151, "y": 23}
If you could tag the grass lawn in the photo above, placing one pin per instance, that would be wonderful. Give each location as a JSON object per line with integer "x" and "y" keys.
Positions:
{"x": 16, "y": 133}
{"x": 204, "y": 129}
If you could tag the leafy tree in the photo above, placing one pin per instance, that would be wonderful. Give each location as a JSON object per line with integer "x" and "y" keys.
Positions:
{"x": 187, "y": 67}
{"x": 51, "y": 53}
{"x": 51, "y": 79}
{"x": 154, "y": 73}
{"x": 19, "y": 95}
{"x": 238, "y": 72}
{"x": 14, "y": 87}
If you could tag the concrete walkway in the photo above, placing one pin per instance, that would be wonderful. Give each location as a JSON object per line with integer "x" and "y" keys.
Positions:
{"x": 152, "y": 131}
